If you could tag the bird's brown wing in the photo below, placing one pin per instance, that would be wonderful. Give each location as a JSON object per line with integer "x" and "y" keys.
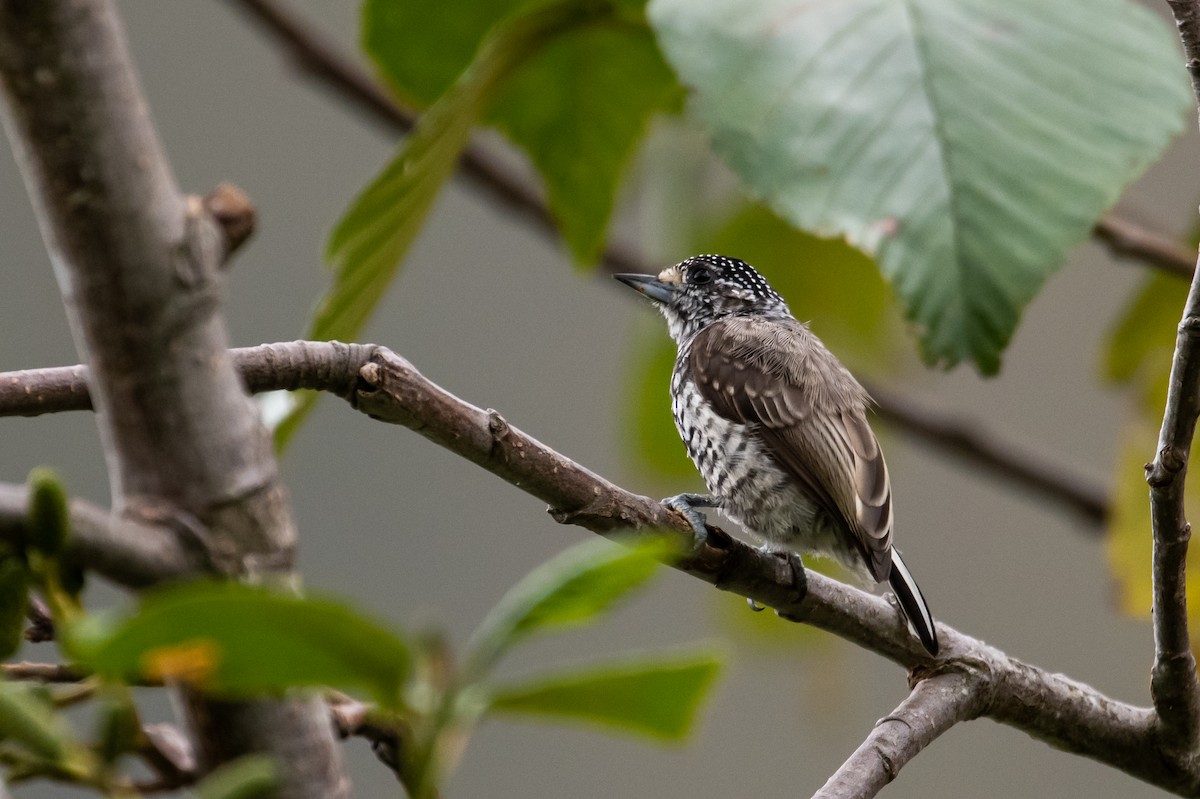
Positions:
{"x": 811, "y": 416}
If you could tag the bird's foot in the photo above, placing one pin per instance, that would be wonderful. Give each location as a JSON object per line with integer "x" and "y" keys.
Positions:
{"x": 754, "y": 606}
{"x": 686, "y": 504}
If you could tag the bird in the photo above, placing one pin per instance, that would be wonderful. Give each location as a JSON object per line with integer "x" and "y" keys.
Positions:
{"x": 777, "y": 426}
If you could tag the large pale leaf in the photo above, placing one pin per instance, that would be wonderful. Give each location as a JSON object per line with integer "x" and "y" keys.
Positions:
{"x": 567, "y": 591}
{"x": 578, "y": 107}
{"x": 238, "y": 640}
{"x": 655, "y": 696}
{"x": 966, "y": 144}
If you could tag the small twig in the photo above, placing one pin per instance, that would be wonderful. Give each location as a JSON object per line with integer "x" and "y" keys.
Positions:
{"x": 234, "y": 214}
{"x": 1129, "y": 240}
{"x": 969, "y": 441}
{"x": 934, "y": 706}
{"x": 1173, "y": 682}
{"x": 169, "y": 753}
{"x": 41, "y": 625}
{"x": 42, "y": 672}
{"x": 352, "y": 718}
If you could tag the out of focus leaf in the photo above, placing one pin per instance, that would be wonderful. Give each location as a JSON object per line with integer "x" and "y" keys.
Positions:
{"x": 29, "y": 719}
{"x": 1141, "y": 344}
{"x": 655, "y": 696}
{"x": 239, "y": 640}
{"x": 373, "y": 236}
{"x": 578, "y": 107}
{"x": 1139, "y": 353}
{"x": 568, "y": 591}
{"x": 49, "y": 519}
{"x": 14, "y": 600}
{"x": 117, "y": 726}
{"x": 1130, "y": 540}
{"x": 966, "y": 144}
{"x": 655, "y": 443}
{"x": 245, "y": 778}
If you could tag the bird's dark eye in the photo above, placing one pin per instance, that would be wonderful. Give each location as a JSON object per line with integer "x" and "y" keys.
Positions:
{"x": 699, "y": 275}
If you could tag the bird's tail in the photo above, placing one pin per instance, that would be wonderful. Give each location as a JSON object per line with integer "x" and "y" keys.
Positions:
{"x": 913, "y": 603}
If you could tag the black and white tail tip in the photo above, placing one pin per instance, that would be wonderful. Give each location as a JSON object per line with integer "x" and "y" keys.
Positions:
{"x": 913, "y": 604}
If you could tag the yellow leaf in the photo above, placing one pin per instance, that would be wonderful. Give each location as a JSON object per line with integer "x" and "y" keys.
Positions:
{"x": 192, "y": 662}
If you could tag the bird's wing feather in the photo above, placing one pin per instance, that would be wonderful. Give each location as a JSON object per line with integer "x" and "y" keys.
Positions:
{"x": 779, "y": 376}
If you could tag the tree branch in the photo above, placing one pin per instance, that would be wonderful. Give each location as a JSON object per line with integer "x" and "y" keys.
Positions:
{"x": 935, "y": 705}
{"x": 376, "y": 381}
{"x": 130, "y": 552}
{"x": 1126, "y": 239}
{"x": 969, "y": 441}
{"x": 138, "y": 265}
{"x": 34, "y": 392}
{"x": 1173, "y": 682}
{"x": 42, "y": 672}
{"x": 1049, "y": 706}
{"x": 1060, "y": 711}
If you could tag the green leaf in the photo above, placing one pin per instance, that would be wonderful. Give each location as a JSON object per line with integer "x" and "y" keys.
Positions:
{"x": 582, "y": 149}
{"x": 368, "y": 244}
{"x": 655, "y": 696}
{"x": 655, "y": 443}
{"x": 966, "y": 144}
{"x": 578, "y": 107}
{"x": 117, "y": 726}
{"x": 239, "y": 640}
{"x": 49, "y": 519}
{"x": 14, "y": 600}
{"x": 1129, "y": 543}
{"x": 1139, "y": 354}
{"x": 568, "y": 591}
{"x": 1142, "y": 342}
{"x": 244, "y": 778}
{"x": 28, "y": 718}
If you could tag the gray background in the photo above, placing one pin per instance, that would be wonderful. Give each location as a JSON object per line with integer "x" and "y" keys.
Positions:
{"x": 497, "y": 315}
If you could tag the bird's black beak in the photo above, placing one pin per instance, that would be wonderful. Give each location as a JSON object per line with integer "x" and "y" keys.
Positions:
{"x": 649, "y": 285}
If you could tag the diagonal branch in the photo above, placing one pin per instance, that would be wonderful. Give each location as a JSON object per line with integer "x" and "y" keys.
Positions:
{"x": 1048, "y": 706}
{"x": 935, "y": 705}
{"x": 1127, "y": 239}
{"x": 970, "y": 441}
{"x": 33, "y": 392}
{"x": 1173, "y": 682}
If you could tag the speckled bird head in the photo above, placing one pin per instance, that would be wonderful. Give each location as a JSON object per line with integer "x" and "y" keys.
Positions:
{"x": 706, "y": 288}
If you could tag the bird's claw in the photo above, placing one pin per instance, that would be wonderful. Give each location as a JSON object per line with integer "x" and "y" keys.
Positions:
{"x": 686, "y": 504}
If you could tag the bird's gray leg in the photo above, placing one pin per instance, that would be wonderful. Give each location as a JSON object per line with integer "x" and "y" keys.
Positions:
{"x": 687, "y": 504}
